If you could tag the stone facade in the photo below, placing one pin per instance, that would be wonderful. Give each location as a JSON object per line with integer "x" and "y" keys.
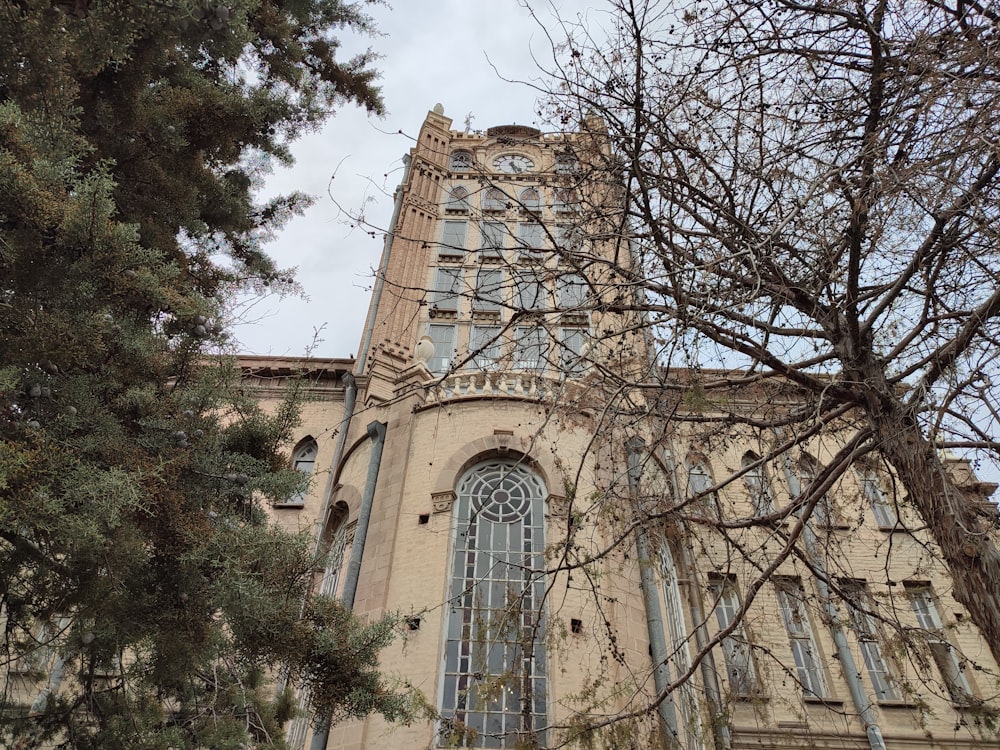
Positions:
{"x": 481, "y": 391}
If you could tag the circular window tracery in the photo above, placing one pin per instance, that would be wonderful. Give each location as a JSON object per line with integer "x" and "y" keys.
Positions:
{"x": 501, "y": 492}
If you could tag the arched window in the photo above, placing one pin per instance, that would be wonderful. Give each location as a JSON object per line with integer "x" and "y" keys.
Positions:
{"x": 699, "y": 480}
{"x": 680, "y": 658}
{"x": 461, "y": 161}
{"x": 494, "y": 673}
{"x": 758, "y": 486}
{"x": 304, "y": 460}
{"x": 530, "y": 199}
{"x": 458, "y": 200}
{"x": 566, "y": 163}
{"x": 494, "y": 200}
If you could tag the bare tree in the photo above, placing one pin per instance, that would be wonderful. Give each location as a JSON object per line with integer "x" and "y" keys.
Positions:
{"x": 810, "y": 195}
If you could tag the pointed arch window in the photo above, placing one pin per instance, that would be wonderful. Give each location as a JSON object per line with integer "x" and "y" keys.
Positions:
{"x": 458, "y": 200}
{"x": 757, "y": 484}
{"x": 699, "y": 481}
{"x": 303, "y": 460}
{"x": 461, "y": 161}
{"x": 530, "y": 200}
{"x": 494, "y": 686}
{"x": 494, "y": 200}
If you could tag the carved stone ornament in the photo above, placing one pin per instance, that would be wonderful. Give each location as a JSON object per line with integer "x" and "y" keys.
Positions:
{"x": 442, "y": 501}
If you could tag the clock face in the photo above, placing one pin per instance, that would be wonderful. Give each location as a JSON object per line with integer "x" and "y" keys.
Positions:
{"x": 513, "y": 164}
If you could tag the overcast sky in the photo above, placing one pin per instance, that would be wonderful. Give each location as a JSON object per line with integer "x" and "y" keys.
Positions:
{"x": 456, "y": 52}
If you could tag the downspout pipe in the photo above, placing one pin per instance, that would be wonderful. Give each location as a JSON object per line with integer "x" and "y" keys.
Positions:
{"x": 376, "y": 433}
{"x": 350, "y": 399}
{"x": 709, "y": 676}
{"x": 850, "y": 669}
{"x": 397, "y": 207}
{"x": 651, "y": 599}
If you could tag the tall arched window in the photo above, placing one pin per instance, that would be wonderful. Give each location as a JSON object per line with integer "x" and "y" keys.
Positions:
{"x": 494, "y": 673}
{"x": 304, "y": 460}
{"x": 699, "y": 481}
{"x": 758, "y": 486}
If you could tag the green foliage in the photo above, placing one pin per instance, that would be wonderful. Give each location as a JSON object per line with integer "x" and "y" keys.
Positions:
{"x": 133, "y": 546}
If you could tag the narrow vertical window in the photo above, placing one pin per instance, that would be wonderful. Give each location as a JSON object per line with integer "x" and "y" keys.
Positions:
{"x": 303, "y": 460}
{"x": 339, "y": 544}
{"x": 735, "y": 647}
{"x": 447, "y": 288}
{"x": 531, "y": 294}
{"x": 484, "y": 347}
{"x": 492, "y": 239}
{"x": 531, "y": 348}
{"x": 453, "y": 237}
{"x": 570, "y": 355}
{"x": 494, "y": 687}
{"x": 489, "y": 290}
{"x": 792, "y": 602}
{"x": 529, "y": 238}
{"x": 680, "y": 658}
{"x": 860, "y": 606}
{"x": 572, "y": 291}
{"x": 943, "y": 653}
{"x": 444, "y": 347}
{"x": 878, "y": 500}
{"x": 699, "y": 482}
{"x": 757, "y": 484}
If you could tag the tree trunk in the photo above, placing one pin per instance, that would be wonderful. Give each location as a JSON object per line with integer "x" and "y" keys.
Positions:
{"x": 955, "y": 518}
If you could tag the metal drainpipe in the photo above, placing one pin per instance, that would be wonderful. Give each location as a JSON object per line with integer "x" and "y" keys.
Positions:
{"x": 397, "y": 207}
{"x": 651, "y": 598}
{"x": 350, "y": 399}
{"x": 709, "y": 676}
{"x": 376, "y": 432}
{"x": 861, "y": 703}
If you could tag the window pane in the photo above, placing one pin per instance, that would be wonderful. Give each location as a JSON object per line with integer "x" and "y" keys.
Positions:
{"x": 444, "y": 347}
{"x": 489, "y": 289}
{"x": 453, "y": 237}
{"x": 493, "y": 233}
{"x": 484, "y": 347}
{"x": 530, "y": 348}
{"x": 499, "y": 688}
{"x": 791, "y": 600}
{"x": 530, "y": 236}
{"x": 572, "y": 340}
{"x": 735, "y": 648}
{"x": 572, "y": 291}
{"x": 447, "y": 288}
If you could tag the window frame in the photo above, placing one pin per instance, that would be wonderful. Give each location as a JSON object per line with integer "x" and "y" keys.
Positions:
{"x": 737, "y": 654}
{"x": 496, "y": 601}
{"x": 859, "y": 606}
{"x": 943, "y": 652}
{"x": 802, "y": 640}
{"x": 299, "y": 461}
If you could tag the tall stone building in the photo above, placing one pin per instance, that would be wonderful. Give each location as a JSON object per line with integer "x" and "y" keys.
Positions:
{"x": 575, "y": 562}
